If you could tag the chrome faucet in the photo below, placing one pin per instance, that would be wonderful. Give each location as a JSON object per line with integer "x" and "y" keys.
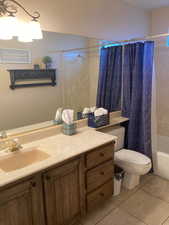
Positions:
{"x": 3, "y": 134}
{"x": 14, "y": 145}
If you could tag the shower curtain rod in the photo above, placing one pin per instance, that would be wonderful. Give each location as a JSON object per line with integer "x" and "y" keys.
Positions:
{"x": 113, "y": 42}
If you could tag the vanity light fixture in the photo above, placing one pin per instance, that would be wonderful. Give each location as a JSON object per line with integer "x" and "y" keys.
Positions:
{"x": 11, "y": 27}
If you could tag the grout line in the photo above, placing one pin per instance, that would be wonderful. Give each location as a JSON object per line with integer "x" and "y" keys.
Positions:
{"x": 117, "y": 206}
{"x": 154, "y": 196}
{"x": 105, "y": 216}
{"x": 134, "y": 216}
{"x": 165, "y": 220}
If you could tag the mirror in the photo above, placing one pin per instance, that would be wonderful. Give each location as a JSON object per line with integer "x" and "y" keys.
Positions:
{"x": 76, "y": 79}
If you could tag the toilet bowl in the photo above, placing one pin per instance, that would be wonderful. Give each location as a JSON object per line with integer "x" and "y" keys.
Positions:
{"x": 134, "y": 164}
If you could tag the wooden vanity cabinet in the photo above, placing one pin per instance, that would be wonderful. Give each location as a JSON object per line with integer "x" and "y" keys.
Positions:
{"x": 63, "y": 196}
{"x": 22, "y": 204}
{"x": 99, "y": 175}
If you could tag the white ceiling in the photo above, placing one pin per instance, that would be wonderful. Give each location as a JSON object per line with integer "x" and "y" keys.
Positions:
{"x": 149, "y": 4}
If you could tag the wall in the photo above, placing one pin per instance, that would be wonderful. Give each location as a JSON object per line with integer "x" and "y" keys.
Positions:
{"x": 160, "y": 24}
{"x": 160, "y": 18}
{"x": 104, "y": 19}
{"x": 93, "y": 69}
{"x": 32, "y": 105}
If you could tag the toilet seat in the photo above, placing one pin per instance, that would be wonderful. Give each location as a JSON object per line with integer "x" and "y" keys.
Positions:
{"x": 131, "y": 157}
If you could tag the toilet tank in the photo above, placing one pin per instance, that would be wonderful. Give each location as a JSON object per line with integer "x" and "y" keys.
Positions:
{"x": 120, "y": 133}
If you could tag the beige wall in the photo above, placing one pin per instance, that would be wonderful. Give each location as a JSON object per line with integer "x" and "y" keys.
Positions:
{"x": 162, "y": 78}
{"x": 160, "y": 21}
{"x": 32, "y": 105}
{"x": 93, "y": 66}
{"x": 104, "y": 19}
{"x": 160, "y": 24}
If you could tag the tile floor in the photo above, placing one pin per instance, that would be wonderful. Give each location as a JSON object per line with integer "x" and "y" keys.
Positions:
{"x": 148, "y": 204}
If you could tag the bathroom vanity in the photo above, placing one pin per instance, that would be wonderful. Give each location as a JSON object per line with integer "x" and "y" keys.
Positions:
{"x": 59, "y": 190}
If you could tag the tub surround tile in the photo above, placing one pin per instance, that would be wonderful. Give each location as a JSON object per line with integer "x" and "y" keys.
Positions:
{"x": 150, "y": 210}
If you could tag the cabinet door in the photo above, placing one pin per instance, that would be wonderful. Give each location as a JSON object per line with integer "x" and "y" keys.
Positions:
{"x": 62, "y": 194}
{"x": 21, "y": 204}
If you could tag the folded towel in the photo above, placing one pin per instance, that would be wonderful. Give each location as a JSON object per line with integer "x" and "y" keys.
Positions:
{"x": 68, "y": 116}
{"x": 86, "y": 111}
{"x": 92, "y": 109}
{"x": 100, "y": 112}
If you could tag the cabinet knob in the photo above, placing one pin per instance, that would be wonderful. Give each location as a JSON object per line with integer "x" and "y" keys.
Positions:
{"x": 102, "y": 194}
{"x": 48, "y": 177}
{"x": 102, "y": 154}
{"x": 33, "y": 183}
{"x": 102, "y": 173}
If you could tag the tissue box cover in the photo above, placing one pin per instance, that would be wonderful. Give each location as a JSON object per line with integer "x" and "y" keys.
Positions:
{"x": 69, "y": 129}
{"x": 98, "y": 121}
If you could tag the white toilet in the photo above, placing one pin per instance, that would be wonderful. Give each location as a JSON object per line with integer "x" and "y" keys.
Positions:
{"x": 134, "y": 164}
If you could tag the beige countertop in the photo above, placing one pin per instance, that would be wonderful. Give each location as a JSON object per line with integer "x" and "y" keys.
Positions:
{"x": 59, "y": 148}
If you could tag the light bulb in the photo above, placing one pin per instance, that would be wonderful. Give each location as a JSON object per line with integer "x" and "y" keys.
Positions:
{"x": 8, "y": 27}
{"x": 24, "y": 34}
{"x": 36, "y": 31}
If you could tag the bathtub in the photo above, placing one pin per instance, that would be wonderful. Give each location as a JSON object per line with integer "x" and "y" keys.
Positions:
{"x": 162, "y": 157}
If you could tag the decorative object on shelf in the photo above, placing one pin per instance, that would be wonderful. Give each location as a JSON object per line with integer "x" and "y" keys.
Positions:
{"x": 36, "y": 67}
{"x": 47, "y": 60}
{"x": 11, "y": 27}
{"x": 30, "y": 77}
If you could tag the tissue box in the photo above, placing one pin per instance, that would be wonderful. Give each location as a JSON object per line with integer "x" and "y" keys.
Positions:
{"x": 98, "y": 121}
{"x": 69, "y": 129}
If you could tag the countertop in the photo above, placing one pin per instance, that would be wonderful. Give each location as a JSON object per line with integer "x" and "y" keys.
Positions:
{"x": 60, "y": 148}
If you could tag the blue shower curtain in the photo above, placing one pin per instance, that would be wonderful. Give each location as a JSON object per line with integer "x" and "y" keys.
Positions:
{"x": 110, "y": 79}
{"x": 137, "y": 92}
{"x": 126, "y": 73}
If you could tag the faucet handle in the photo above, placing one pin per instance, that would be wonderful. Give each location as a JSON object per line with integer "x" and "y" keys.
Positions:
{"x": 14, "y": 145}
{"x": 3, "y": 134}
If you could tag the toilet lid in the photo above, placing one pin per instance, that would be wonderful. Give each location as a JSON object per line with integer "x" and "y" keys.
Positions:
{"x": 132, "y": 157}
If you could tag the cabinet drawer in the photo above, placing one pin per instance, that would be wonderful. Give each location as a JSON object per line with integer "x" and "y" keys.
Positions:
{"x": 100, "y": 155}
{"x": 99, "y": 175}
{"x": 98, "y": 196}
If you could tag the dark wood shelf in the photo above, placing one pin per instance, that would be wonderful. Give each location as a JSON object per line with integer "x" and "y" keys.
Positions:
{"x": 30, "y": 77}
